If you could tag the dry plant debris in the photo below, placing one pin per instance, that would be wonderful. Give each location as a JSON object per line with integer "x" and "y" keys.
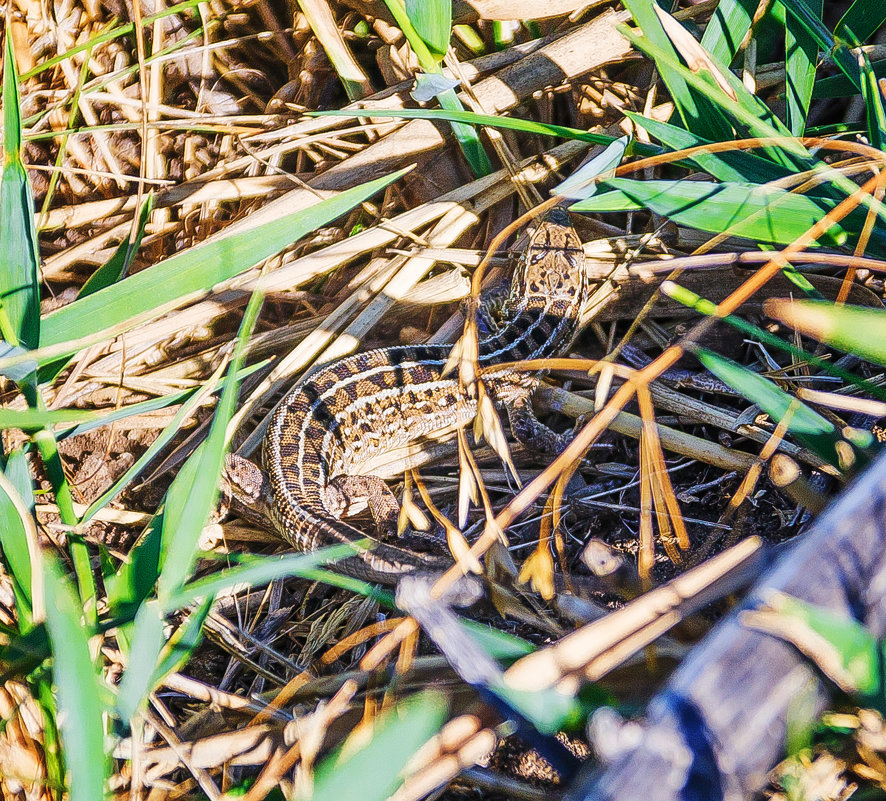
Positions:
{"x": 174, "y": 142}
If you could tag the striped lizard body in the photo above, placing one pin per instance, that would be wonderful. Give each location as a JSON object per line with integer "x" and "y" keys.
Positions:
{"x": 375, "y": 414}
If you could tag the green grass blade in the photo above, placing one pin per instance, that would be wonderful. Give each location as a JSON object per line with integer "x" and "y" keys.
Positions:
{"x": 762, "y": 213}
{"x": 835, "y": 48}
{"x": 749, "y": 114}
{"x": 861, "y": 20}
{"x": 843, "y": 649}
{"x": 811, "y": 429}
{"x": 181, "y": 645}
{"x": 373, "y": 772}
{"x": 197, "y": 269}
{"x": 16, "y": 508}
{"x": 21, "y": 654}
{"x": 108, "y": 36}
{"x": 319, "y": 16}
{"x": 467, "y": 137}
{"x": 547, "y": 709}
{"x": 432, "y": 20}
{"x": 166, "y": 435}
{"x": 753, "y": 118}
{"x": 727, "y": 28}
{"x": 19, "y": 259}
{"x": 500, "y": 645}
{"x": 147, "y": 639}
{"x": 873, "y": 104}
{"x": 511, "y": 123}
{"x": 737, "y": 166}
{"x": 584, "y": 182}
{"x": 426, "y": 58}
{"x": 79, "y": 697}
{"x": 801, "y": 58}
{"x": 255, "y": 570}
{"x": 36, "y": 419}
{"x": 696, "y": 112}
{"x": 150, "y": 405}
{"x": 853, "y": 329}
{"x": 709, "y": 309}
{"x": 194, "y": 491}
{"x": 608, "y": 202}
{"x": 118, "y": 265}
{"x": 841, "y": 86}
{"x": 47, "y": 446}
{"x": 135, "y": 580}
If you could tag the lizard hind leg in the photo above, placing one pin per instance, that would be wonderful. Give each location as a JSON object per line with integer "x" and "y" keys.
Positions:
{"x": 343, "y": 491}
{"x": 533, "y": 434}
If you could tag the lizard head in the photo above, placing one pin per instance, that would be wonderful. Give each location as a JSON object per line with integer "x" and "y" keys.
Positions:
{"x": 552, "y": 267}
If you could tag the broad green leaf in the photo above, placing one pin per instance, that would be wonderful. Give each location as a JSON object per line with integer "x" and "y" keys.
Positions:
{"x": 762, "y": 213}
{"x": 78, "y": 695}
{"x": 374, "y": 772}
{"x": 801, "y": 57}
{"x": 19, "y": 258}
{"x": 814, "y": 431}
{"x": 432, "y": 20}
{"x": 853, "y": 329}
{"x": 156, "y": 290}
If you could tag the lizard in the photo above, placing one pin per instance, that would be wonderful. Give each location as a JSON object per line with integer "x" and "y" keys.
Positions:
{"x": 345, "y": 427}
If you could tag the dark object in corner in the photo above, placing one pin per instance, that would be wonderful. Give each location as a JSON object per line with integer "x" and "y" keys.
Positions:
{"x": 719, "y": 726}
